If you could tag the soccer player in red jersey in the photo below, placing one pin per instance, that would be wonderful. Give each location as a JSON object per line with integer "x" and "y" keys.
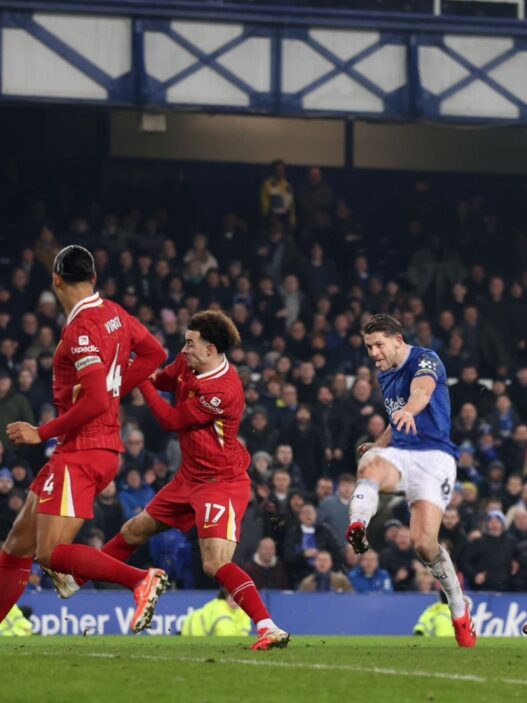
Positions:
{"x": 91, "y": 371}
{"x": 211, "y": 489}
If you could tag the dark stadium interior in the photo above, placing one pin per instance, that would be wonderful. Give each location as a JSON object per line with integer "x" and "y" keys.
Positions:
{"x": 445, "y": 252}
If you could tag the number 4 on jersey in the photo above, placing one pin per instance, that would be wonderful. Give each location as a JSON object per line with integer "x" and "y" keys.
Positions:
{"x": 114, "y": 378}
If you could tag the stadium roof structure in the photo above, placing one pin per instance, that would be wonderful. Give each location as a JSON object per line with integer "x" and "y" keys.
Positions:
{"x": 264, "y": 60}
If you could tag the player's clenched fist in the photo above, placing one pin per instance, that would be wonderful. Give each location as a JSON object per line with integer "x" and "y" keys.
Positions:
{"x": 23, "y": 433}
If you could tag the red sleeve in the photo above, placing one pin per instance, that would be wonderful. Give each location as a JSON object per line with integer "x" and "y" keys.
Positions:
{"x": 149, "y": 357}
{"x": 165, "y": 381}
{"x": 83, "y": 346}
{"x": 196, "y": 411}
{"x": 93, "y": 401}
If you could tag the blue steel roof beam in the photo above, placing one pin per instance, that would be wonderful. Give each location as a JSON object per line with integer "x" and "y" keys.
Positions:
{"x": 276, "y": 15}
{"x": 340, "y": 67}
{"x": 205, "y": 59}
{"x": 65, "y": 51}
{"x": 481, "y": 74}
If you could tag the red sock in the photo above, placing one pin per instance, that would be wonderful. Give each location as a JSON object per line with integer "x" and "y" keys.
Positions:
{"x": 243, "y": 591}
{"x": 14, "y": 575}
{"x": 118, "y": 548}
{"x": 91, "y": 564}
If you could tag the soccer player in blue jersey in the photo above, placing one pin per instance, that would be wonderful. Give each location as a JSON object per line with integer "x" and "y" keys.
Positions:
{"x": 414, "y": 455}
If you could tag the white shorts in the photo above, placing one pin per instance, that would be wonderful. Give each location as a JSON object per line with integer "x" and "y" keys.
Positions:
{"x": 425, "y": 475}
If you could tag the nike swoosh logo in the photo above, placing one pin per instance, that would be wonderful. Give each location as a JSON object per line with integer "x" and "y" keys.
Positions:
{"x": 45, "y": 500}
{"x": 212, "y": 524}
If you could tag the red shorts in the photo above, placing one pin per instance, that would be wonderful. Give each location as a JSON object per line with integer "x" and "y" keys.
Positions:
{"x": 217, "y": 509}
{"x": 68, "y": 483}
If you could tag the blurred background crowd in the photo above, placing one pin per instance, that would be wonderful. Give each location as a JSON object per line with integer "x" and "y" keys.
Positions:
{"x": 299, "y": 273}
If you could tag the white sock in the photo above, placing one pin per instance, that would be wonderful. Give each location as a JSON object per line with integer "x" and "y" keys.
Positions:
{"x": 267, "y": 622}
{"x": 364, "y": 501}
{"x": 443, "y": 569}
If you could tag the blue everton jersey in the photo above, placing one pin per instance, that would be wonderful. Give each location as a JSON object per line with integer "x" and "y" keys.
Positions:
{"x": 433, "y": 423}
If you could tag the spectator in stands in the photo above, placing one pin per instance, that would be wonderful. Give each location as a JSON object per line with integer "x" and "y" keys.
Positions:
{"x": 108, "y": 512}
{"x": 362, "y": 406}
{"x": 265, "y": 569}
{"x": 6, "y": 491}
{"x": 14, "y": 407}
{"x": 324, "y": 579}
{"x": 466, "y": 425}
{"x": 518, "y": 392}
{"x": 488, "y": 562}
{"x": 308, "y": 446}
{"x": 252, "y": 528}
{"x": 323, "y": 489}
{"x": 469, "y": 390}
{"x": 398, "y": 559}
{"x": 22, "y": 476}
{"x": 199, "y": 254}
{"x": 284, "y": 460}
{"x": 320, "y": 273}
{"x": 304, "y": 541}
{"x": 32, "y": 391}
{"x": 135, "y": 494}
{"x": 277, "y": 196}
{"x": 512, "y": 491}
{"x": 136, "y": 455}
{"x": 452, "y": 530}
{"x": 172, "y": 552}
{"x": 504, "y": 418}
{"x": 496, "y": 309}
{"x": 368, "y": 577}
{"x": 259, "y": 435}
{"x": 260, "y": 470}
{"x": 514, "y": 451}
{"x": 333, "y": 420}
{"x": 483, "y": 343}
{"x": 333, "y": 511}
{"x": 454, "y": 355}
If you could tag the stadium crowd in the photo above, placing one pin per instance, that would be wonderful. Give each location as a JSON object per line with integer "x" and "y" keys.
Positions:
{"x": 298, "y": 286}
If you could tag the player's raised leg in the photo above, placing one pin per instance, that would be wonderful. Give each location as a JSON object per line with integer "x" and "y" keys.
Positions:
{"x": 134, "y": 533}
{"x": 217, "y": 563}
{"x": 55, "y": 551}
{"x": 16, "y": 557}
{"x": 375, "y": 474}
{"x": 424, "y": 530}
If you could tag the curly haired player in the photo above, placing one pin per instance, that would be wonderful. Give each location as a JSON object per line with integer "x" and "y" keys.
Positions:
{"x": 211, "y": 490}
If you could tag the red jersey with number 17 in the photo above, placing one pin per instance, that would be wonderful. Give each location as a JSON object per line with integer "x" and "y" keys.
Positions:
{"x": 210, "y": 448}
{"x": 96, "y": 332}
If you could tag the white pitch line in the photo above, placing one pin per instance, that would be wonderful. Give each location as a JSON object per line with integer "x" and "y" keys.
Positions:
{"x": 294, "y": 665}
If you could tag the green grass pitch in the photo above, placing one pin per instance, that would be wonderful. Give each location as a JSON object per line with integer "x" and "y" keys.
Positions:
{"x": 224, "y": 670}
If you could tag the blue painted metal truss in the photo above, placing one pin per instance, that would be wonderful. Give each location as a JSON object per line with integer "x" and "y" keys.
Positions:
{"x": 257, "y": 60}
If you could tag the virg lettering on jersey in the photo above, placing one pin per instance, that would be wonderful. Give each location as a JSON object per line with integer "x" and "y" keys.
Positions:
{"x": 83, "y": 350}
{"x": 87, "y": 361}
{"x": 113, "y": 324}
{"x": 209, "y": 405}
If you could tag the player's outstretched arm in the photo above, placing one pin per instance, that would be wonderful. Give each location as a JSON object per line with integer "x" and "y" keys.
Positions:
{"x": 190, "y": 412}
{"x": 149, "y": 356}
{"x": 421, "y": 390}
{"x": 93, "y": 401}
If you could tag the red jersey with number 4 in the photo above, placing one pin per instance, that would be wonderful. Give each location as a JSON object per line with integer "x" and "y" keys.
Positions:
{"x": 210, "y": 448}
{"x": 96, "y": 332}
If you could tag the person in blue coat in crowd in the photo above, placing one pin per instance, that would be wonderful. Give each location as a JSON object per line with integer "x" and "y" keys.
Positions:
{"x": 368, "y": 578}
